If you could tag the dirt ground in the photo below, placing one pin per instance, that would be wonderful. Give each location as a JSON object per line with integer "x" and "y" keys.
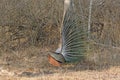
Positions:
{"x": 111, "y": 74}
{"x": 32, "y": 64}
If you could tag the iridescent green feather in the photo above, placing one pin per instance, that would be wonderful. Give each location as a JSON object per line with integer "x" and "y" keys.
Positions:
{"x": 74, "y": 37}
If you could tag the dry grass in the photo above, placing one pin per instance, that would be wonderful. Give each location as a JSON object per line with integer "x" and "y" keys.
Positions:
{"x": 18, "y": 65}
{"x": 37, "y": 23}
{"x": 110, "y": 74}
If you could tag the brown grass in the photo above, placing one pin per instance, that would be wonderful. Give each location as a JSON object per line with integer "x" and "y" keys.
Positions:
{"x": 29, "y": 29}
{"x": 21, "y": 66}
{"x": 110, "y": 74}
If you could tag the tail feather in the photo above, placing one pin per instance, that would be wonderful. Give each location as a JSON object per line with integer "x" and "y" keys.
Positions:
{"x": 74, "y": 37}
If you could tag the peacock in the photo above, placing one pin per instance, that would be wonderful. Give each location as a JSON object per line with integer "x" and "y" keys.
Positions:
{"x": 74, "y": 38}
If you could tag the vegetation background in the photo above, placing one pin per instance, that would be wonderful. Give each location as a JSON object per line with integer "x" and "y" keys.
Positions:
{"x": 29, "y": 29}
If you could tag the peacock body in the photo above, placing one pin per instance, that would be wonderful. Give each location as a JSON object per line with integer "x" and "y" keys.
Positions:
{"x": 74, "y": 38}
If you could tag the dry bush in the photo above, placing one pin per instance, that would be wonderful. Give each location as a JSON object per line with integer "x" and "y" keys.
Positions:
{"x": 105, "y": 32}
{"x": 25, "y": 23}
{"x": 30, "y": 22}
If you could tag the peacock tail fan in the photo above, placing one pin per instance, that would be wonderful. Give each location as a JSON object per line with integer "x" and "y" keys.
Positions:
{"x": 74, "y": 37}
